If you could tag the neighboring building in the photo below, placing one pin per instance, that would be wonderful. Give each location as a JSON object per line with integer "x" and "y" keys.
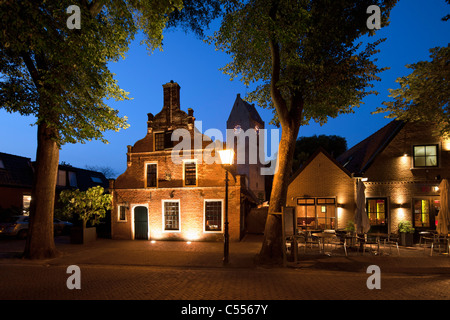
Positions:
{"x": 402, "y": 165}
{"x": 243, "y": 121}
{"x": 158, "y": 198}
{"x": 16, "y": 181}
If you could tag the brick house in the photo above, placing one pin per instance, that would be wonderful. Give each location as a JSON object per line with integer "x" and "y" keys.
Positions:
{"x": 401, "y": 165}
{"x": 157, "y": 198}
{"x": 16, "y": 181}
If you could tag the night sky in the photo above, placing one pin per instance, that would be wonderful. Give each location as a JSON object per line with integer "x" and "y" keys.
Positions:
{"x": 415, "y": 27}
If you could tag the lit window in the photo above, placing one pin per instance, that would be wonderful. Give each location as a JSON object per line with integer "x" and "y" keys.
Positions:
{"x": 213, "y": 215}
{"x": 421, "y": 213}
{"x": 376, "y": 210}
{"x": 171, "y": 215}
{"x": 190, "y": 173}
{"x": 152, "y": 175}
{"x": 26, "y": 203}
{"x": 426, "y": 156}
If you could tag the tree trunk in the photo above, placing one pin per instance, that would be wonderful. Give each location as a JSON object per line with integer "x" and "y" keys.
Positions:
{"x": 40, "y": 242}
{"x": 271, "y": 251}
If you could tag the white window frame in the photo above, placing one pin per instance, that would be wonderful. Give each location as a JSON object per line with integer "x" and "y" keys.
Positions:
{"x": 146, "y": 163}
{"x": 196, "y": 172}
{"x": 204, "y": 216}
{"x": 132, "y": 207}
{"x": 118, "y": 213}
{"x": 164, "y": 216}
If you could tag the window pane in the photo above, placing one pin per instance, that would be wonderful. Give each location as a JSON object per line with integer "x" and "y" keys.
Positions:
{"x": 419, "y": 151}
{"x": 213, "y": 216}
{"x": 73, "y": 179}
{"x": 151, "y": 175}
{"x": 430, "y": 150}
{"x": 190, "y": 176}
{"x": 122, "y": 215}
{"x": 159, "y": 141}
{"x": 171, "y": 216}
{"x": 431, "y": 161}
{"x": 419, "y": 161}
{"x": 61, "y": 178}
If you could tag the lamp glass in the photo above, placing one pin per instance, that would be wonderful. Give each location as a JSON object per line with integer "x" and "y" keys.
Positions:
{"x": 226, "y": 156}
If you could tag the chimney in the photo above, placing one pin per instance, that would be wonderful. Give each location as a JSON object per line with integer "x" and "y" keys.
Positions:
{"x": 171, "y": 95}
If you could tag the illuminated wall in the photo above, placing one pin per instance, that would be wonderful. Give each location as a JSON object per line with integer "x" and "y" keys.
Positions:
{"x": 322, "y": 177}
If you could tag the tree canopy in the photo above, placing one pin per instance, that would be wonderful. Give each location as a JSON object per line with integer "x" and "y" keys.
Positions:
{"x": 306, "y": 146}
{"x": 424, "y": 94}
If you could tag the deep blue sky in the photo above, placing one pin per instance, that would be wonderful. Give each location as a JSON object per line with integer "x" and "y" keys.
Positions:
{"x": 415, "y": 27}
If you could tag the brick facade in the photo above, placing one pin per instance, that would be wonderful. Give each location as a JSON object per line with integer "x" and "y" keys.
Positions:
{"x": 131, "y": 190}
{"x": 397, "y": 187}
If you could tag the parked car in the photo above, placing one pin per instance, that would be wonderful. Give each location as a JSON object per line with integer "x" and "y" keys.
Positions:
{"x": 18, "y": 226}
{"x": 14, "y": 226}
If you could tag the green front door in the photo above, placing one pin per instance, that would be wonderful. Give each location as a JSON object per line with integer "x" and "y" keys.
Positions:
{"x": 141, "y": 223}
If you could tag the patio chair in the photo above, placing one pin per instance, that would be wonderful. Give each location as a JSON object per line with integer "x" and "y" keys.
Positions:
{"x": 337, "y": 241}
{"x": 438, "y": 241}
{"x": 391, "y": 240}
{"x": 310, "y": 240}
{"x": 363, "y": 241}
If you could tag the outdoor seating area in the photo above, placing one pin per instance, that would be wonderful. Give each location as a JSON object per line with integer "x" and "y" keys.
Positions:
{"x": 343, "y": 243}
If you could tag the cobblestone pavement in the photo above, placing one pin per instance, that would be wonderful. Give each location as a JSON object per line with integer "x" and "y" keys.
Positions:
{"x": 175, "y": 283}
{"x": 140, "y": 270}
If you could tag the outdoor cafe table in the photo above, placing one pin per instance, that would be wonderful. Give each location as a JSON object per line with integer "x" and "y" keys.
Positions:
{"x": 378, "y": 236}
{"x": 322, "y": 236}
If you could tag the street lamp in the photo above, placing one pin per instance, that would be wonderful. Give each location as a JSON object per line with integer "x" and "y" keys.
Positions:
{"x": 226, "y": 157}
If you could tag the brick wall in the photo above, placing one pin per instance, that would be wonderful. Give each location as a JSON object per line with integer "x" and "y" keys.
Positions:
{"x": 323, "y": 178}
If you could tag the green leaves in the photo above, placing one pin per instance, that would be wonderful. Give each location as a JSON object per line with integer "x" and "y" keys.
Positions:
{"x": 425, "y": 93}
{"x": 88, "y": 205}
{"x": 61, "y": 76}
{"x": 305, "y": 53}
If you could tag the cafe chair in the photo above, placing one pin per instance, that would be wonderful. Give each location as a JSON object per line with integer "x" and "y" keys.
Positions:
{"x": 391, "y": 240}
{"x": 363, "y": 241}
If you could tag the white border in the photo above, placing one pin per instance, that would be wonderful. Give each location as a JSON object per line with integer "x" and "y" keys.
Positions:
{"x": 196, "y": 172}
{"x": 133, "y": 206}
{"x": 163, "y": 226}
{"x": 146, "y": 163}
{"x": 204, "y": 216}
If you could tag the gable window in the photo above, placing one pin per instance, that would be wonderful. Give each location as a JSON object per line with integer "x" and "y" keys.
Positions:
{"x": 171, "y": 215}
{"x": 190, "y": 173}
{"x": 122, "y": 213}
{"x": 152, "y": 175}
{"x": 163, "y": 140}
{"x": 213, "y": 215}
{"x": 159, "y": 141}
{"x": 426, "y": 156}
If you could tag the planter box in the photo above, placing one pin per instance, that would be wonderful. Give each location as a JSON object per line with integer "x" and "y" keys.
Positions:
{"x": 79, "y": 235}
{"x": 406, "y": 239}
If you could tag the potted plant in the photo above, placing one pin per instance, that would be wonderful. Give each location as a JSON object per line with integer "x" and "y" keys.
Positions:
{"x": 406, "y": 232}
{"x": 89, "y": 206}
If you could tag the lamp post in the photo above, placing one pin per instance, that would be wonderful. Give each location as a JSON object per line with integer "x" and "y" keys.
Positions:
{"x": 226, "y": 157}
